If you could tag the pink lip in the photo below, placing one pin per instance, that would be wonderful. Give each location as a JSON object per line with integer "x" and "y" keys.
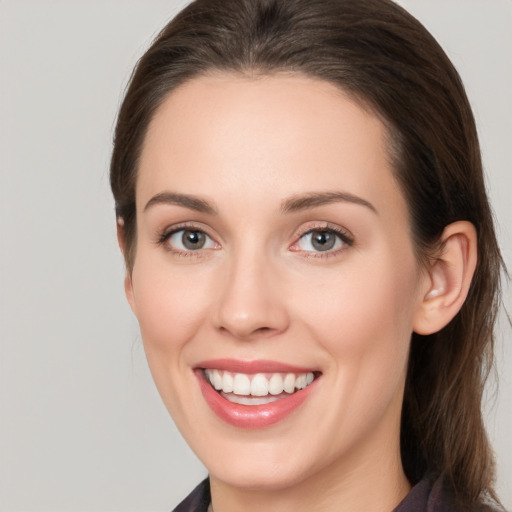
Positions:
{"x": 251, "y": 367}
{"x": 251, "y": 416}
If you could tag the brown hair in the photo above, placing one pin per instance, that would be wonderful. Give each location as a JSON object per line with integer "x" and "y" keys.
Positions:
{"x": 380, "y": 55}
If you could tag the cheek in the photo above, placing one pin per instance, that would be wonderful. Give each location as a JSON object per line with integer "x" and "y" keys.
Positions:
{"x": 169, "y": 306}
{"x": 363, "y": 318}
{"x": 170, "y": 310}
{"x": 365, "y": 328}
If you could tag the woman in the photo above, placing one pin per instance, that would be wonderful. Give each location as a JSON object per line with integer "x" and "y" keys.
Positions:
{"x": 311, "y": 256}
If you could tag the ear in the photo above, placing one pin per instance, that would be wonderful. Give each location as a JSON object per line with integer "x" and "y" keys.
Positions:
{"x": 121, "y": 240}
{"x": 121, "y": 237}
{"x": 448, "y": 278}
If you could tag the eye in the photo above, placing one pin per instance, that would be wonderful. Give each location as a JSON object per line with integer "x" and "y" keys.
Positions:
{"x": 186, "y": 240}
{"x": 322, "y": 240}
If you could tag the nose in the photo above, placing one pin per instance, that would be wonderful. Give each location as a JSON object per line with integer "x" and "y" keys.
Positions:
{"x": 252, "y": 303}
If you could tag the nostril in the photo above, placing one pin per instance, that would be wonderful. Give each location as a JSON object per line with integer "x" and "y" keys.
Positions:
{"x": 250, "y": 334}
{"x": 262, "y": 330}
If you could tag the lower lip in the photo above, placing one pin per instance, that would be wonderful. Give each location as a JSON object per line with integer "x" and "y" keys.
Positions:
{"x": 252, "y": 416}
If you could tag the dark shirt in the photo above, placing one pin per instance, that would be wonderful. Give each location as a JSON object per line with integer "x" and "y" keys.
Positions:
{"x": 423, "y": 497}
{"x": 198, "y": 500}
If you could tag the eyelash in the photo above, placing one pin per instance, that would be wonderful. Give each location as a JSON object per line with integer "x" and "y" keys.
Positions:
{"x": 344, "y": 236}
{"x": 165, "y": 236}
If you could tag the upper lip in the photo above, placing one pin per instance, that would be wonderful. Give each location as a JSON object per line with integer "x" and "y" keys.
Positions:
{"x": 252, "y": 367}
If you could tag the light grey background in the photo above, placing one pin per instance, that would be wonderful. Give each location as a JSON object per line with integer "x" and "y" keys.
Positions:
{"x": 81, "y": 425}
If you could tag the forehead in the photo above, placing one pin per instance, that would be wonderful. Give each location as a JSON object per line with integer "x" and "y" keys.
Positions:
{"x": 279, "y": 133}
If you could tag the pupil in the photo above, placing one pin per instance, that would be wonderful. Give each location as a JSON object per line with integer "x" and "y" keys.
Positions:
{"x": 193, "y": 239}
{"x": 323, "y": 240}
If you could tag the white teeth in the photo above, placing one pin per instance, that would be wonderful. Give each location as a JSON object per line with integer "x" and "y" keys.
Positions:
{"x": 241, "y": 384}
{"x": 300, "y": 383}
{"x": 227, "y": 382}
{"x": 216, "y": 379}
{"x": 289, "y": 383}
{"x": 276, "y": 385}
{"x": 259, "y": 385}
{"x": 249, "y": 400}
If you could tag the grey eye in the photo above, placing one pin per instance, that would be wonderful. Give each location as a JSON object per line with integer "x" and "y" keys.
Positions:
{"x": 320, "y": 241}
{"x": 323, "y": 240}
{"x": 193, "y": 240}
{"x": 190, "y": 240}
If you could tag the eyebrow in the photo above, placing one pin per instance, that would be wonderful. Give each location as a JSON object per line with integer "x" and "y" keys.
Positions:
{"x": 306, "y": 201}
{"x": 188, "y": 201}
{"x": 294, "y": 204}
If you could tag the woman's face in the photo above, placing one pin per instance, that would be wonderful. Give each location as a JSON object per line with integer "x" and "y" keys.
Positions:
{"x": 273, "y": 248}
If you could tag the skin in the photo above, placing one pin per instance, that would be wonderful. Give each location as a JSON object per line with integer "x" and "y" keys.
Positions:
{"x": 258, "y": 290}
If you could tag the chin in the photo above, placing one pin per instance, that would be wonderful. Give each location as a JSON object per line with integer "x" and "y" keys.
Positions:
{"x": 260, "y": 465}
{"x": 262, "y": 476}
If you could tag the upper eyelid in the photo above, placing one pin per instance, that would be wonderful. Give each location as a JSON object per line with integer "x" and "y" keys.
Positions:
{"x": 324, "y": 226}
{"x": 184, "y": 226}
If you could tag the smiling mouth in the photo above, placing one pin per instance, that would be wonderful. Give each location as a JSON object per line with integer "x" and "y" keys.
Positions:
{"x": 259, "y": 388}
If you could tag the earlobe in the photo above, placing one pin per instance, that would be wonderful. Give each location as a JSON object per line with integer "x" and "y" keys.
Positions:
{"x": 448, "y": 278}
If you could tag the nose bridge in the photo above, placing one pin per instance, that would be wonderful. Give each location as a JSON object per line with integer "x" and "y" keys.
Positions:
{"x": 250, "y": 303}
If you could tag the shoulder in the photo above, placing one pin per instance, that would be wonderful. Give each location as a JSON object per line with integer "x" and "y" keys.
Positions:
{"x": 198, "y": 500}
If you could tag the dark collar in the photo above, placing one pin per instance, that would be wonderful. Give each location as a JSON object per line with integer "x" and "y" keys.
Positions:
{"x": 198, "y": 500}
{"x": 425, "y": 496}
